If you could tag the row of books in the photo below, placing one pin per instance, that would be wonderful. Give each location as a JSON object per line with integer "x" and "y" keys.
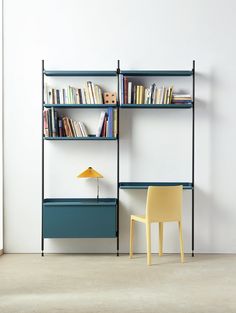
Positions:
{"x": 91, "y": 94}
{"x": 138, "y": 94}
{"x": 56, "y": 125}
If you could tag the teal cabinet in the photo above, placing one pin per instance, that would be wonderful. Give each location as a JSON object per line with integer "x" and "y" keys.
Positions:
{"x": 80, "y": 218}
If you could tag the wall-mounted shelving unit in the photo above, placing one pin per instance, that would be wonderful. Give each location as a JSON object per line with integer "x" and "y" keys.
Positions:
{"x": 79, "y": 207}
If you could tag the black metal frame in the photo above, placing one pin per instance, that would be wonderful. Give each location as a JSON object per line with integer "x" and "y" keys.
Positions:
{"x": 42, "y": 135}
{"x": 118, "y": 160}
{"x": 193, "y": 156}
{"x": 118, "y": 155}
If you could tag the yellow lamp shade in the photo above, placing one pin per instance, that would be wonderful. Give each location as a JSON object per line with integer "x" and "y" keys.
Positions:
{"x": 90, "y": 173}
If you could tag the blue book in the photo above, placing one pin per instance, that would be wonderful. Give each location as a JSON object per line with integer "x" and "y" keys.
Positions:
{"x": 110, "y": 122}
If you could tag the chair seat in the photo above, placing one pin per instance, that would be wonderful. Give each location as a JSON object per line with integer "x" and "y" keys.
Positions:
{"x": 139, "y": 218}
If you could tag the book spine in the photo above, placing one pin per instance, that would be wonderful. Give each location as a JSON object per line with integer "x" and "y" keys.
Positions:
{"x": 134, "y": 95}
{"x": 53, "y": 122}
{"x": 125, "y": 90}
{"x": 57, "y": 96}
{"x": 141, "y": 94}
{"x": 89, "y": 84}
{"x": 138, "y": 95}
{"x": 60, "y": 127}
{"x": 65, "y": 126}
{"x": 121, "y": 83}
{"x": 80, "y": 96}
{"x": 110, "y": 122}
{"x": 100, "y": 124}
{"x": 45, "y": 121}
{"x": 87, "y": 94}
{"x": 129, "y": 92}
{"x": 56, "y": 124}
{"x": 115, "y": 123}
{"x": 83, "y": 129}
{"x": 49, "y": 123}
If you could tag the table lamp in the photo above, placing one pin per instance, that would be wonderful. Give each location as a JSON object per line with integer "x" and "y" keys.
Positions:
{"x": 91, "y": 173}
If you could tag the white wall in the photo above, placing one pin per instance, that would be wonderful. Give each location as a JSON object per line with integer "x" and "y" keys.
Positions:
{"x": 151, "y": 34}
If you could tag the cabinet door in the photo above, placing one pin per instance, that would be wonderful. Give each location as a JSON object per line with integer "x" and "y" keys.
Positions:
{"x": 79, "y": 221}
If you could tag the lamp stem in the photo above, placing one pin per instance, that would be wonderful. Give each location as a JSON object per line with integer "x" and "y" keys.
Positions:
{"x": 97, "y": 189}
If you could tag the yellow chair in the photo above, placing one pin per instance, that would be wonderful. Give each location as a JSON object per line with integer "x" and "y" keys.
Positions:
{"x": 164, "y": 204}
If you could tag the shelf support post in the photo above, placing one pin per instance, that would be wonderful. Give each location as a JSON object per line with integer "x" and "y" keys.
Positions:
{"x": 193, "y": 156}
{"x": 118, "y": 160}
{"x": 42, "y": 135}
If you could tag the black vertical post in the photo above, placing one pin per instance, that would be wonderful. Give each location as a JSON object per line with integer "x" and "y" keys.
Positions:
{"x": 118, "y": 158}
{"x": 193, "y": 155}
{"x": 42, "y": 135}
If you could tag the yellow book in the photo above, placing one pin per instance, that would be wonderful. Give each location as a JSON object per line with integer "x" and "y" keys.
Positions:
{"x": 141, "y": 95}
{"x": 138, "y": 94}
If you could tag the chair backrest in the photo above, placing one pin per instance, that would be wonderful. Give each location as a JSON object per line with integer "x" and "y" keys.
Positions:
{"x": 164, "y": 204}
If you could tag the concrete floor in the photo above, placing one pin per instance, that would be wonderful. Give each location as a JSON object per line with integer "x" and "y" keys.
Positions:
{"x": 106, "y": 283}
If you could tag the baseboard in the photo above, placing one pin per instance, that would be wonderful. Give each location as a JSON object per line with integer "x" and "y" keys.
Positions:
{"x": 1, "y": 252}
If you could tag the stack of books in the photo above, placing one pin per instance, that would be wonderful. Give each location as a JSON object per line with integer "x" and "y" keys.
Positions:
{"x": 181, "y": 98}
{"x": 91, "y": 94}
{"x": 56, "y": 125}
{"x": 138, "y": 94}
{"x": 62, "y": 126}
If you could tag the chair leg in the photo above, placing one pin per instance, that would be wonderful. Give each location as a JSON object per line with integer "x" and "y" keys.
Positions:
{"x": 181, "y": 242}
{"x": 148, "y": 238}
{"x": 160, "y": 238}
{"x": 131, "y": 238}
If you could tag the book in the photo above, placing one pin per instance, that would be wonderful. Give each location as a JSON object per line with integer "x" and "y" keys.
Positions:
{"x": 110, "y": 122}
{"x": 129, "y": 92}
{"x": 115, "y": 123}
{"x": 77, "y": 129}
{"x": 100, "y": 124}
{"x": 83, "y": 129}
{"x": 125, "y": 89}
{"x": 60, "y": 127}
{"x": 121, "y": 89}
{"x": 45, "y": 121}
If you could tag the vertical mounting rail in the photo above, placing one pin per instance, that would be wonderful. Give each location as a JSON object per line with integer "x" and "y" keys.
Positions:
{"x": 193, "y": 156}
{"x": 118, "y": 159}
{"x": 42, "y": 135}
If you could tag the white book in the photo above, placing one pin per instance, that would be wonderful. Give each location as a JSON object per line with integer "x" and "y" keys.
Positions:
{"x": 90, "y": 93}
{"x": 83, "y": 129}
{"x": 121, "y": 95}
{"x": 93, "y": 93}
{"x": 100, "y": 96}
{"x": 84, "y": 100}
{"x": 129, "y": 92}
{"x": 77, "y": 96}
{"x": 100, "y": 124}
{"x": 61, "y": 96}
{"x": 77, "y": 129}
{"x": 96, "y": 94}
